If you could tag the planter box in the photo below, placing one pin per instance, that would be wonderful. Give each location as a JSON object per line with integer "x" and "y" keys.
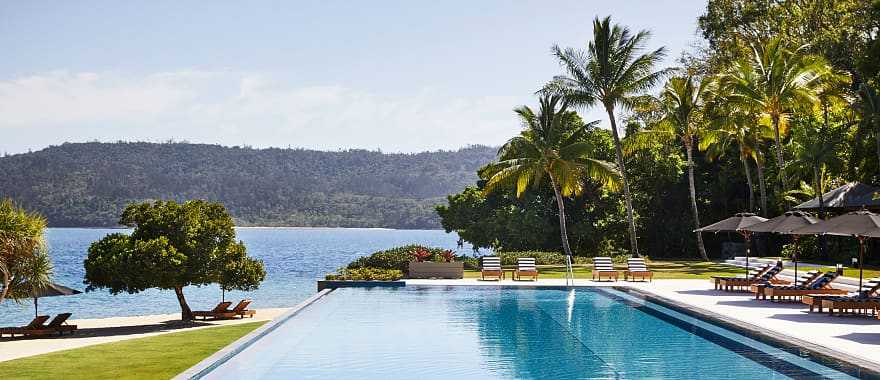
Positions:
{"x": 428, "y": 269}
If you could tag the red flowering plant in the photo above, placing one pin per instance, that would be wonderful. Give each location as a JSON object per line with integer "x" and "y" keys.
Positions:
{"x": 421, "y": 254}
{"x": 448, "y": 255}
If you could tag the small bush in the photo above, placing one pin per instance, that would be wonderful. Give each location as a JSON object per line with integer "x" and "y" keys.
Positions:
{"x": 399, "y": 258}
{"x": 541, "y": 258}
{"x": 366, "y": 274}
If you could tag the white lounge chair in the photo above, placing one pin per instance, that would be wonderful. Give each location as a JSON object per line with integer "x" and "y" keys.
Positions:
{"x": 491, "y": 268}
{"x": 603, "y": 267}
{"x": 525, "y": 266}
{"x": 637, "y": 268}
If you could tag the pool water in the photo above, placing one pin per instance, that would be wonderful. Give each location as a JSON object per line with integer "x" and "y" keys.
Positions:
{"x": 457, "y": 332}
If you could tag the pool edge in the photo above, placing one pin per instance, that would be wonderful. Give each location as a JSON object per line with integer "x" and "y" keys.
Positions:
{"x": 216, "y": 359}
{"x": 774, "y": 337}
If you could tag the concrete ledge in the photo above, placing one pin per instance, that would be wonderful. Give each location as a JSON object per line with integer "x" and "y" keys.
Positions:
{"x": 326, "y": 284}
{"x": 204, "y": 367}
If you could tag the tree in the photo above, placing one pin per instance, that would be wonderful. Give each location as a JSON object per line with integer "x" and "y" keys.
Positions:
{"x": 612, "y": 72}
{"x": 869, "y": 107}
{"x": 681, "y": 103}
{"x": 552, "y": 146}
{"x": 777, "y": 81}
{"x": 21, "y": 239}
{"x": 172, "y": 246}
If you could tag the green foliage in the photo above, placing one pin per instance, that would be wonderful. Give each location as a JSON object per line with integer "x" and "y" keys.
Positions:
{"x": 23, "y": 263}
{"x": 366, "y": 274}
{"x": 172, "y": 246}
{"x": 541, "y": 258}
{"x": 395, "y": 258}
{"x": 90, "y": 184}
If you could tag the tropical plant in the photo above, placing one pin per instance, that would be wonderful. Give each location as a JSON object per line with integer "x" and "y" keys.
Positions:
{"x": 172, "y": 246}
{"x": 612, "y": 72}
{"x": 869, "y": 107}
{"x": 421, "y": 254}
{"x": 552, "y": 147}
{"x": 681, "y": 103}
{"x": 30, "y": 276}
{"x": 777, "y": 81}
{"x": 21, "y": 239}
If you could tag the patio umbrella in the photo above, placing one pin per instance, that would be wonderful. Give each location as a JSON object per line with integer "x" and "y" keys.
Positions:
{"x": 736, "y": 223}
{"x": 784, "y": 224}
{"x": 53, "y": 290}
{"x": 858, "y": 224}
{"x": 852, "y": 196}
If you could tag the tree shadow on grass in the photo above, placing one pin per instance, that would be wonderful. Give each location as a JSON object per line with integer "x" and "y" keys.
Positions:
{"x": 95, "y": 332}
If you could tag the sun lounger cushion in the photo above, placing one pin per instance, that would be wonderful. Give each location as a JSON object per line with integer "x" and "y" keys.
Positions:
{"x": 526, "y": 264}
{"x": 492, "y": 264}
{"x": 637, "y": 264}
{"x": 603, "y": 264}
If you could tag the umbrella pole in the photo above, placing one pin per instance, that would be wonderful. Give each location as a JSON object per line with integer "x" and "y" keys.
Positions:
{"x": 796, "y": 252}
{"x": 861, "y": 256}
{"x": 748, "y": 237}
{"x": 35, "y": 307}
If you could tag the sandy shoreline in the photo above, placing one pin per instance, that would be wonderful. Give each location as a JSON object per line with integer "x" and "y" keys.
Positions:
{"x": 114, "y": 329}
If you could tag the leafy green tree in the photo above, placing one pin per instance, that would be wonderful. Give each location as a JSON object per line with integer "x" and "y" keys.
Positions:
{"x": 778, "y": 81}
{"x": 681, "y": 103}
{"x": 551, "y": 147}
{"x": 31, "y": 275}
{"x": 172, "y": 246}
{"x": 611, "y": 72}
{"x": 869, "y": 108}
{"x": 21, "y": 239}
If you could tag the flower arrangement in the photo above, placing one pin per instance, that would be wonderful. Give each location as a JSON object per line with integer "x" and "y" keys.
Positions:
{"x": 421, "y": 254}
{"x": 448, "y": 255}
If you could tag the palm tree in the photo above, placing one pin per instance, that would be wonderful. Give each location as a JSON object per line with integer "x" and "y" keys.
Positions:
{"x": 681, "y": 103}
{"x": 869, "y": 105}
{"x": 777, "y": 81}
{"x": 551, "y": 147}
{"x": 611, "y": 72}
{"x": 21, "y": 238}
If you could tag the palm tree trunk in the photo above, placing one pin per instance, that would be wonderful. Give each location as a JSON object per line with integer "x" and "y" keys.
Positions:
{"x": 877, "y": 138}
{"x": 762, "y": 186}
{"x": 185, "y": 311}
{"x": 700, "y": 247}
{"x": 563, "y": 230}
{"x": 748, "y": 172}
{"x": 823, "y": 243}
{"x": 6, "y": 281}
{"x": 626, "y": 195}
{"x": 780, "y": 160}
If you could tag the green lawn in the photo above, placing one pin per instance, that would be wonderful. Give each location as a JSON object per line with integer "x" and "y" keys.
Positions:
{"x": 157, "y": 357}
{"x": 680, "y": 269}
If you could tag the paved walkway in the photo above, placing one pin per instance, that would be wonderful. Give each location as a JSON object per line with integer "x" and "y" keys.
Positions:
{"x": 105, "y": 330}
{"x": 853, "y": 336}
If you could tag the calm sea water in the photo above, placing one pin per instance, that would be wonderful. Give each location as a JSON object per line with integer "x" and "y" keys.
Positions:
{"x": 294, "y": 257}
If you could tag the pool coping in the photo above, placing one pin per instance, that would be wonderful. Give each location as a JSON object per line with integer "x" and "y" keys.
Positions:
{"x": 210, "y": 363}
{"x": 774, "y": 337}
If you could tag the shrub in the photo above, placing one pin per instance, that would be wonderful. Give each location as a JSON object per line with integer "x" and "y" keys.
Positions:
{"x": 366, "y": 274}
{"x": 399, "y": 258}
{"x": 541, "y": 258}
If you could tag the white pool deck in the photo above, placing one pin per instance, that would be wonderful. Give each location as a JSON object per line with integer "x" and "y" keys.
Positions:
{"x": 858, "y": 337}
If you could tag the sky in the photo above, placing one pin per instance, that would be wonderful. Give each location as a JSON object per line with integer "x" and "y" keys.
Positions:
{"x": 400, "y": 76}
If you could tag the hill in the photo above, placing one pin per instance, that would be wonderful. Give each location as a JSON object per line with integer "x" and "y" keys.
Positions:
{"x": 88, "y": 184}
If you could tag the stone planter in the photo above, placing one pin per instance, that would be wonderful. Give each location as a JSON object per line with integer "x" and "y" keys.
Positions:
{"x": 429, "y": 269}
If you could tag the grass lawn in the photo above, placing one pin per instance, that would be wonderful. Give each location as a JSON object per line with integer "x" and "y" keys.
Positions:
{"x": 679, "y": 269}
{"x": 156, "y": 357}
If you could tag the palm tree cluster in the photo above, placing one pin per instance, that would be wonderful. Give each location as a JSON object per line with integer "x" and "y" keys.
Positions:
{"x": 24, "y": 263}
{"x": 778, "y": 94}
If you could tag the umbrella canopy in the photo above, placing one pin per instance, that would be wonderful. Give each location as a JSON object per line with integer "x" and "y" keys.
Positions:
{"x": 736, "y": 223}
{"x": 852, "y": 196}
{"x": 859, "y": 224}
{"x": 784, "y": 224}
{"x": 52, "y": 290}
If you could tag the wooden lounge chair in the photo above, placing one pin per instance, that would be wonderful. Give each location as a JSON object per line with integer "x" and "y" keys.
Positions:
{"x": 525, "y": 266}
{"x": 222, "y": 307}
{"x": 491, "y": 268}
{"x": 741, "y": 283}
{"x": 239, "y": 310}
{"x": 603, "y": 267}
{"x": 865, "y": 301}
{"x": 805, "y": 280}
{"x": 59, "y": 324}
{"x": 753, "y": 274}
{"x": 822, "y": 285}
{"x": 637, "y": 268}
{"x": 36, "y": 324}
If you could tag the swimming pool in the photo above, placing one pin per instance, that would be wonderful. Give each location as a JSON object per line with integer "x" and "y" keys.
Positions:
{"x": 456, "y": 332}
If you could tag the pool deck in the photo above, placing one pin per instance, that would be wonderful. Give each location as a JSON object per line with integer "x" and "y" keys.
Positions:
{"x": 106, "y": 330}
{"x": 855, "y": 338}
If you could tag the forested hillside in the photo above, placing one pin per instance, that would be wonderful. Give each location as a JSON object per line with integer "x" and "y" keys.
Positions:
{"x": 88, "y": 184}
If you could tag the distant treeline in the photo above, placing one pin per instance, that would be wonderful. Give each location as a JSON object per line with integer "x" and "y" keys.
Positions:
{"x": 88, "y": 184}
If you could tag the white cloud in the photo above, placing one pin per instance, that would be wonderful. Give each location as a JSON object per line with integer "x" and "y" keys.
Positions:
{"x": 234, "y": 108}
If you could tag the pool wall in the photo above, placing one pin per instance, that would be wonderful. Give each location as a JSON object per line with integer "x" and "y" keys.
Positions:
{"x": 208, "y": 364}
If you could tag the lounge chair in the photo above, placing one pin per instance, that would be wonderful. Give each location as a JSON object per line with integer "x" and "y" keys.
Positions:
{"x": 239, "y": 310}
{"x": 491, "y": 268}
{"x": 525, "y": 266}
{"x": 806, "y": 280}
{"x": 822, "y": 285}
{"x": 36, "y": 324}
{"x": 222, "y": 307}
{"x": 740, "y": 283}
{"x": 603, "y": 267}
{"x": 865, "y": 301}
{"x": 637, "y": 268}
{"x": 753, "y": 274}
